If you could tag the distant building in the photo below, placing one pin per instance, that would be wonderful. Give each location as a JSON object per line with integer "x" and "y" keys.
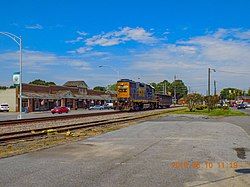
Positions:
{"x": 79, "y": 84}
{"x": 73, "y": 94}
{"x": 244, "y": 99}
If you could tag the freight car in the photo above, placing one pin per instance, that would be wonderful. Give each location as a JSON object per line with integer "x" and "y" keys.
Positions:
{"x": 133, "y": 95}
{"x": 163, "y": 101}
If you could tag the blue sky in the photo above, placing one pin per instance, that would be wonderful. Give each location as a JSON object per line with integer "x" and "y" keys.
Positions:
{"x": 150, "y": 40}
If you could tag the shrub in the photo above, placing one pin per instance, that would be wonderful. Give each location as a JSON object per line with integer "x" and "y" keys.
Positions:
{"x": 199, "y": 107}
{"x": 225, "y": 107}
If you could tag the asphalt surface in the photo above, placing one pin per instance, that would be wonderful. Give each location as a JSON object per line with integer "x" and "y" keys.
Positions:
{"x": 13, "y": 115}
{"x": 141, "y": 155}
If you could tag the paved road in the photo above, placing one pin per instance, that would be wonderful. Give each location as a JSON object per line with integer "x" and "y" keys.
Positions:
{"x": 13, "y": 115}
{"x": 247, "y": 110}
{"x": 139, "y": 155}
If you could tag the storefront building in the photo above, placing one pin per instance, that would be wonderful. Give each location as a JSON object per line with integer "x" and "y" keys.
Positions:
{"x": 73, "y": 94}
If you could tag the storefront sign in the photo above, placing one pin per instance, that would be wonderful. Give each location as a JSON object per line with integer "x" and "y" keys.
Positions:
{"x": 16, "y": 78}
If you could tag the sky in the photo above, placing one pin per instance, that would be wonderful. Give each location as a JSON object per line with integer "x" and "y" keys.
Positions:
{"x": 148, "y": 41}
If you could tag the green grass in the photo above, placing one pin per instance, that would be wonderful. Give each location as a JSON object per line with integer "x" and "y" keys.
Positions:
{"x": 214, "y": 112}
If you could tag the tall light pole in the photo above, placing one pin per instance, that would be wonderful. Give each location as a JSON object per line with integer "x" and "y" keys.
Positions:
{"x": 111, "y": 67}
{"x": 209, "y": 79}
{"x": 215, "y": 90}
{"x": 208, "y": 86}
{"x": 18, "y": 40}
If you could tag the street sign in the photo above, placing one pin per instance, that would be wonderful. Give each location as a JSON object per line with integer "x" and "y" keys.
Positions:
{"x": 16, "y": 78}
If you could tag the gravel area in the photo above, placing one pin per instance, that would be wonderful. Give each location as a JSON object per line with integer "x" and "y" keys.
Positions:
{"x": 55, "y": 123}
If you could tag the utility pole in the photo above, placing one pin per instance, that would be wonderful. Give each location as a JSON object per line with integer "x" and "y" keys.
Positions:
{"x": 214, "y": 87}
{"x": 174, "y": 89}
{"x": 165, "y": 86}
{"x": 208, "y": 86}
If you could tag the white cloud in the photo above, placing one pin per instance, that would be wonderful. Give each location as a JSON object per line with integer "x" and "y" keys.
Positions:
{"x": 137, "y": 34}
{"x": 78, "y": 39}
{"x": 41, "y": 61}
{"x": 225, "y": 49}
{"x": 82, "y": 33}
{"x": 35, "y": 26}
{"x": 83, "y": 49}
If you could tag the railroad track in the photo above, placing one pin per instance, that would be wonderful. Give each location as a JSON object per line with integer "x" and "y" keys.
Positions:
{"x": 41, "y": 132}
{"x": 52, "y": 118}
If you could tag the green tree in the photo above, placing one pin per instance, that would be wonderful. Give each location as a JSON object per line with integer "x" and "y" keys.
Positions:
{"x": 111, "y": 87}
{"x": 212, "y": 101}
{"x": 159, "y": 87}
{"x": 42, "y": 82}
{"x": 193, "y": 100}
{"x": 180, "y": 87}
{"x": 14, "y": 86}
{"x": 50, "y": 84}
{"x": 230, "y": 93}
{"x": 99, "y": 88}
{"x": 248, "y": 92}
{"x": 3, "y": 87}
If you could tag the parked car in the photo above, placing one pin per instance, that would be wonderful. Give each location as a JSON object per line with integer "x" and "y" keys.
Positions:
{"x": 247, "y": 105}
{"x": 4, "y": 107}
{"x": 96, "y": 107}
{"x": 109, "y": 106}
{"x": 241, "y": 106}
{"x": 60, "y": 110}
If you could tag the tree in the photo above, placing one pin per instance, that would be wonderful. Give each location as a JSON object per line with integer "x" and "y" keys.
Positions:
{"x": 180, "y": 87}
{"x": 193, "y": 100}
{"x": 42, "y": 82}
{"x": 99, "y": 88}
{"x": 230, "y": 93}
{"x": 248, "y": 92}
{"x": 211, "y": 101}
{"x": 3, "y": 87}
{"x": 50, "y": 84}
{"x": 111, "y": 87}
{"x": 159, "y": 87}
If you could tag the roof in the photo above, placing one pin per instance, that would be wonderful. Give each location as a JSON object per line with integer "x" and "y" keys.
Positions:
{"x": 79, "y": 84}
{"x": 95, "y": 92}
{"x": 243, "y": 97}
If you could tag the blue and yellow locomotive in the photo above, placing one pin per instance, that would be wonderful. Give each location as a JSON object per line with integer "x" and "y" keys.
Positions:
{"x": 133, "y": 95}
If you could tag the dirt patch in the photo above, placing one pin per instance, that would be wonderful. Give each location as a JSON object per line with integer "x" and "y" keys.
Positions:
{"x": 54, "y": 139}
{"x": 241, "y": 152}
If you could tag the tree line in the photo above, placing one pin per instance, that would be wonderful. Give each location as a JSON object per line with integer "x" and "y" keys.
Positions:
{"x": 163, "y": 87}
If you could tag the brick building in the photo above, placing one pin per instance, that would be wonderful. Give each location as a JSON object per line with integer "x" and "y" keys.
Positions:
{"x": 73, "y": 94}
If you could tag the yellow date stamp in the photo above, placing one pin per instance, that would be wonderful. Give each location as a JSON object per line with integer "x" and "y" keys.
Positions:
{"x": 203, "y": 165}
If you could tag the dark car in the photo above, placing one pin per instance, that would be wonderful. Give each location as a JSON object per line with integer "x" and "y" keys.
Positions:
{"x": 60, "y": 110}
{"x": 241, "y": 106}
{"x": 96, "y": 107}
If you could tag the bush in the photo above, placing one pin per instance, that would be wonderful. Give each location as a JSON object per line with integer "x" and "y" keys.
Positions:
{"x": 199, "y": 107}
{"x": 225, "y": 107}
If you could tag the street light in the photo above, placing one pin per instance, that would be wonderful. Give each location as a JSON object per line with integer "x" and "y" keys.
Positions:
{"x": 111, "y": 67}
{"x": 209, "y": 79}
{"x": 18, "y": 40}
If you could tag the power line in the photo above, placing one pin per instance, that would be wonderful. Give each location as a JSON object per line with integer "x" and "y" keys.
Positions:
{"x": 233, "y": 72}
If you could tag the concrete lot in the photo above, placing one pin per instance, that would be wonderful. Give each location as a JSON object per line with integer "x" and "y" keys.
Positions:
{"x": 140, "y": 155}
{"x": 13, "y": 115}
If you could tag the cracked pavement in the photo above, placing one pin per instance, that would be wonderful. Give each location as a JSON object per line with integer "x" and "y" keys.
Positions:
{"x": 143, "y": 154}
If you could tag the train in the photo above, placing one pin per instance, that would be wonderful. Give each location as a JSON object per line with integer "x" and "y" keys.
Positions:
{"x": 135, "y": 96}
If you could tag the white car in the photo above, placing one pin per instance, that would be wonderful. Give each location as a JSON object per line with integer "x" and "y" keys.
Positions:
{"x": 4, "y": 107}
{"x": 247, "y": 104}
